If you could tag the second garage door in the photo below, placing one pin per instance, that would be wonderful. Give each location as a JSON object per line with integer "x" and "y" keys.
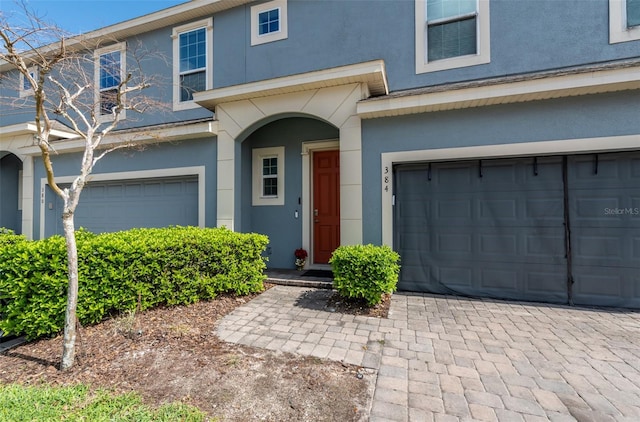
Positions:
{"x": 496, "y": 228}
{"x": 124, "y": 204}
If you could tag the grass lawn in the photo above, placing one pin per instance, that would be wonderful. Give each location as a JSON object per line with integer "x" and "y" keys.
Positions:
{"x": 78, "y": 403}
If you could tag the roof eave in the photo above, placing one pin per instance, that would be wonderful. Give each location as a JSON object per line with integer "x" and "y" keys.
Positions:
{"x": 534, "y": 87}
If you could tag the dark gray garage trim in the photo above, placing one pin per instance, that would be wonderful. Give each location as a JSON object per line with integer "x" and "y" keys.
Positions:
{"x": 496, "y": 228}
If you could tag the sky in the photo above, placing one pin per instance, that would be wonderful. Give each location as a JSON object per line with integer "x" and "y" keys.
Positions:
{"x": 78, "y": 16}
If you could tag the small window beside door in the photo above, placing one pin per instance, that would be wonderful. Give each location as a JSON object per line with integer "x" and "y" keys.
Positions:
{"x": 267, "y": 176}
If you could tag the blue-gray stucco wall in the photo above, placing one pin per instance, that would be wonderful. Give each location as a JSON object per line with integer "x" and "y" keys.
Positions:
{"x": 279, "y": 222}
{"x": 591, "y": 116}
{"x": 526, "y": 36}
{"x": 10, "y": 215}
{"x": 201, "y": 152}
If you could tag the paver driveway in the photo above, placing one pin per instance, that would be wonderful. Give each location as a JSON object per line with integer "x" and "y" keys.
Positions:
{"x": 448, "y": 358}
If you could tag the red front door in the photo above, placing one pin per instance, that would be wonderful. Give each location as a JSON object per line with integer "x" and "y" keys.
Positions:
{"x": 326, "y": 205}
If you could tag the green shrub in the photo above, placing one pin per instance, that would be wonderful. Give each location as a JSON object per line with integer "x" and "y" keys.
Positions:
{"x": 365, "y": 271}
{"x": 134, "y": 269}
{"x": 8, "y": 237}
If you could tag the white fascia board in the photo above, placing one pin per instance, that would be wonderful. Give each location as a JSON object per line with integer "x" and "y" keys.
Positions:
{"x": 31, "y": 128}
{"x": 372, "y": 73}
{"x": 138, "y": 137}
{"x": 503, "y": 93}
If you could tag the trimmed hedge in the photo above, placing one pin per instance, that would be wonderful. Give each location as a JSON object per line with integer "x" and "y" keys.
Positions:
{"x": 8, "y": 237}
{"x": 134, "y": 269}
{"x": 365, "y": 271}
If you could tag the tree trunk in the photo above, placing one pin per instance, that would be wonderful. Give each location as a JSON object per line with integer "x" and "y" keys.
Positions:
{"x": 69, "y": 341}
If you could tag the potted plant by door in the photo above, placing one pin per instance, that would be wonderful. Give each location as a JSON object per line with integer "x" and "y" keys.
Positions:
{"x": 301, "y": 258}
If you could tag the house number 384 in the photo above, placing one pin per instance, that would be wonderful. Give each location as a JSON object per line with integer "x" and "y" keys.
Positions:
{"x": 386, "y": 179}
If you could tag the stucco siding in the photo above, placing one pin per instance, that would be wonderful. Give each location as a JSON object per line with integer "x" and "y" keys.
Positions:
{"x": 563, "y": 119}
{"x": 525, "y": 37}
{"x": 166, "y": 156}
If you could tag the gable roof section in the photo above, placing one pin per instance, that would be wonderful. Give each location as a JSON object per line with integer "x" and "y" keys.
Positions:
{"x": 185, "y": 12}
{"x": 581, "y": 80}
{"x": 171, "y": 16}
{"x": 370, "y": 73}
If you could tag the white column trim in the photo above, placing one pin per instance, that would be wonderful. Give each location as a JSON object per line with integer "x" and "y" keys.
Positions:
{"x": 27, "y": 197}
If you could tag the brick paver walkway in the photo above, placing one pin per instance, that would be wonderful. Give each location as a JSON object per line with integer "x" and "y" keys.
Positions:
{"x": 446, "y": 358}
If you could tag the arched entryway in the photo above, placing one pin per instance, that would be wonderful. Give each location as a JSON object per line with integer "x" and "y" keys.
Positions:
{"x": 330, "y": 96}
{"x": 10, "y": 192}
{"x": 289, "y": 187}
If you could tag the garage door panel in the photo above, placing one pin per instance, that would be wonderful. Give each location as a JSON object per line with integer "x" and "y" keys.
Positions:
{"x": 605, "y": 225}
{"x": 496, "y": 228}
{"x": 121, "y": 205}
{"x": 548, "y": 283}
{"x": 480, "y": 233}
{"x": 606, "y": 286}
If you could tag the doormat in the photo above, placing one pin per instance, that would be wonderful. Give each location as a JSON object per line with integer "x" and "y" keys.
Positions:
{"x": 318, "y": 273}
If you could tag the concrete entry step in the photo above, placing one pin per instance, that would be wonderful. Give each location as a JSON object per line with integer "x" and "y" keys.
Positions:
{"x": 297, "y": 278}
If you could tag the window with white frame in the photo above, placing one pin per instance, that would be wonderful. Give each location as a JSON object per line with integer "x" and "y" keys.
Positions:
{"x": 624, "y": 20}
{"x": 109, "y": 68}
{"x": 451, "y": 34}
{"x": 192, "y": 62}
{"x": 268, "y": 176}
{"x": 25, "y": 85}
{"x": 269, "y": 22}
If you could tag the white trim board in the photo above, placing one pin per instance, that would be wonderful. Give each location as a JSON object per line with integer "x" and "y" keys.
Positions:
{"x": 541, "y": 148}
{"x": 133, "y": 175}
{"x": 135, "y": 137}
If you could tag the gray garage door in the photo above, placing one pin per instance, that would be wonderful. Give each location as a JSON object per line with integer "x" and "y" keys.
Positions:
{"x": 120, "y": 205}
{"x": 605, "y": 229}
{"x": 496, "y": 228}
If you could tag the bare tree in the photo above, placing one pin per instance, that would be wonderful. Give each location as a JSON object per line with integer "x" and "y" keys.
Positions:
{"x": 59, "y": 72}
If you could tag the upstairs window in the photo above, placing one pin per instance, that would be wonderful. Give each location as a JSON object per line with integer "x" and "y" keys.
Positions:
{"x": 624, "y": 20}
{"x": 269, "y": 22}
{"x": 192, "y": 62}
{"x": 25, "y": 85}
{"x": 110, "y": 79}
{"x": 451, "y": 28}
{"x": 451, "y": 34}
{"x": 109, "y": 68}
{"x": 633, "y": 13}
